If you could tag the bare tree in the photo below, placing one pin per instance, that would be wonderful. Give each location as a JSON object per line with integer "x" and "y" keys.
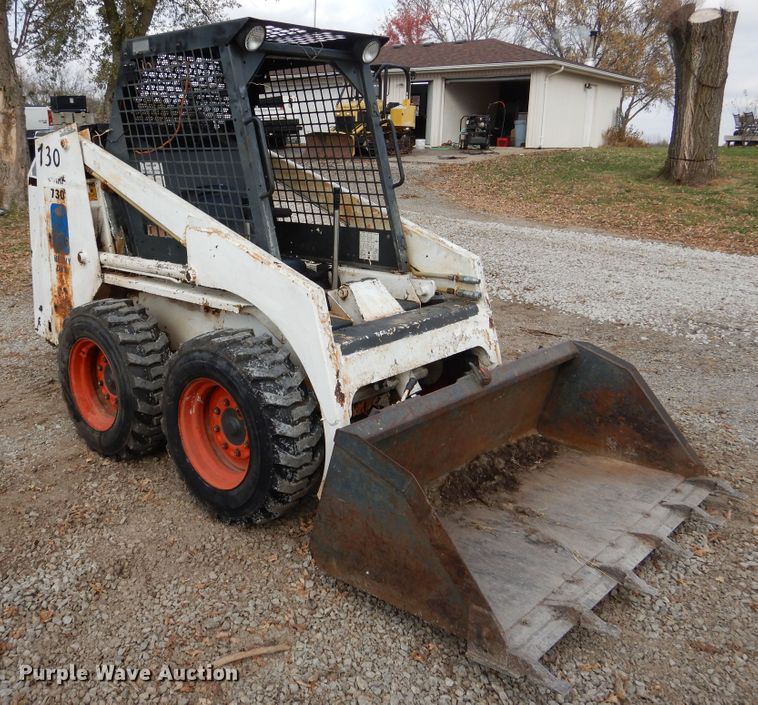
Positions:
{"x": 624, "y": 36}
{"x": 458, "y": 20}
{"x": 71, "y": 78}
{"x": 700, "y": 44}
{"x": 641, "y": 49}
{"x": 46, "y": 32}
{"x": 118, "y": 20}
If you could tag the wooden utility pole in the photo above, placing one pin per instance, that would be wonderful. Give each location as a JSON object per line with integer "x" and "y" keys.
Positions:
{"x": 700, "y": 42}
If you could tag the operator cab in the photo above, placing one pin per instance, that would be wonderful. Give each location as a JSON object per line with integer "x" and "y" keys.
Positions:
{"x": 241, "y": 119}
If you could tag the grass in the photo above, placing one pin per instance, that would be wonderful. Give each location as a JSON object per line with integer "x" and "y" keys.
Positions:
{"x": 615, "y": 189}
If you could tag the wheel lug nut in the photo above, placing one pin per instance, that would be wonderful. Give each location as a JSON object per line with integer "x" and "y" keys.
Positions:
{"x": 236, "y": 453}
{"x": 247, "y": 444}
{"x": 224, "y": 445}
{"x": 216, "y": 411}
{"x": 216, "y": 428}
{"x": 99, "y": 368}
{"x": 107, "y": 396}
{"x": 226, "y": 402}
{"x": 99, "y": 383}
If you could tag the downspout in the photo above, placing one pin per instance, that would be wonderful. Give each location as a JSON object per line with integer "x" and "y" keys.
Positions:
{"x": 544, "y": 103}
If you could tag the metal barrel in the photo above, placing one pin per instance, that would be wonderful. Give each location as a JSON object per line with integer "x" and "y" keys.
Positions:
{"x": 510, "y": 571}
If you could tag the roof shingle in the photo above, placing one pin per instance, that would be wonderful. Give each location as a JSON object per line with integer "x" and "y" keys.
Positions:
{"x": 480, "y": 51}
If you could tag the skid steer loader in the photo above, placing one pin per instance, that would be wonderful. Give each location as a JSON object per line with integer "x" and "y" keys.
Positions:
{"x": 264, "y": 310}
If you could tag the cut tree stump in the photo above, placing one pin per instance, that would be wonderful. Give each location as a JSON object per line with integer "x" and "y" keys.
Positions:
{"x": 700, "y": 43}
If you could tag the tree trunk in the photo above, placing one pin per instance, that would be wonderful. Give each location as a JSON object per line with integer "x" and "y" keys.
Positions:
{"x": 700, "y": 42}
{"x": 134, "y": 21}
{"x": 14, "y": 156}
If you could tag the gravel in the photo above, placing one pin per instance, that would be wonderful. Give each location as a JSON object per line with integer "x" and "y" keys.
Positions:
{"x": 102, "y": 561}
{"x": 704, "y": 296}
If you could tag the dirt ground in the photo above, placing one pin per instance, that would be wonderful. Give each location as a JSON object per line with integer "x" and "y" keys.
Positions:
{"x": 103, "y": 561}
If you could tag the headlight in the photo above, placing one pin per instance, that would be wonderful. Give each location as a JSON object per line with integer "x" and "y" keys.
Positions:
{"x": 370, "y": 51}
{"x": 255, "y": 37}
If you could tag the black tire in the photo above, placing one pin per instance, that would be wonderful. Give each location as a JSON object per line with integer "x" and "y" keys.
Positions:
{"x": 280, "y": 417}
{"x": 137, "y": 352}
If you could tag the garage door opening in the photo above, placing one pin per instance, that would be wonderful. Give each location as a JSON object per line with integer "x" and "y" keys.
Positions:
{"x": 477, "y": 96}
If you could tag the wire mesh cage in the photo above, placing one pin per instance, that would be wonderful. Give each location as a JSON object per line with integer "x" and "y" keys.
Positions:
{"x": 299, "y": 124}
{"x": 178, "y": 128}
{"x": 317, "y": 131}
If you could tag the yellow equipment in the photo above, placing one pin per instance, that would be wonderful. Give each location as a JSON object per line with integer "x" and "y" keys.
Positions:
{"x": 398, "y": 120}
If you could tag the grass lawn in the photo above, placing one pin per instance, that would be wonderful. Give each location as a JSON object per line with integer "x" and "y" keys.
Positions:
{"x": 616, "y": 189}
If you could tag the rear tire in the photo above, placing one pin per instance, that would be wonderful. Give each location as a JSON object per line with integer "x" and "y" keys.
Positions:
{"x": 111, "y": 362}
{"x": 241, "y": 425}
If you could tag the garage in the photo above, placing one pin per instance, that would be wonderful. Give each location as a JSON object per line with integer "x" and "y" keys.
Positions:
{"x": 534, "y": 99}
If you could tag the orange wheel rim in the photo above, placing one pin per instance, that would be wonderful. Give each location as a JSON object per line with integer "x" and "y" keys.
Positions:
{"x": 214, "y": 434}
{"x": 92, "y": 385}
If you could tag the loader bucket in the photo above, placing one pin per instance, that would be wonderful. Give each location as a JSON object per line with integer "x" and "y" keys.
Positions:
{"x": 511, "y": 549}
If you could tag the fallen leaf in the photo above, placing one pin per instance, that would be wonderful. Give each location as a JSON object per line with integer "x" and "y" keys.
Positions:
{"x": 586, "y": 667}
{"x": 705, "y": 647}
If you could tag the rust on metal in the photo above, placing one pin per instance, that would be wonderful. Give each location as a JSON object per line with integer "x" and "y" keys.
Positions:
{"x": 58, "y": 241}
{"x": 517, "y": 565}
{"x": 339, "y": 395}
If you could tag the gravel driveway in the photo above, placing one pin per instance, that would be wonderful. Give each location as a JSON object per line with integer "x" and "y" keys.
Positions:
{"x": 705, "y": 296}
{"x": 103, "y": 561}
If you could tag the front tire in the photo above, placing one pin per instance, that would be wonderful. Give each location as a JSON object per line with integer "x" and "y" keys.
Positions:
{"x": 241, "y": 425}
{"x": 111, "y": 362}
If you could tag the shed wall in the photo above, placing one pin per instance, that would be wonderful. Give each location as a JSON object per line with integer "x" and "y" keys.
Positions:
{"x": 564, "y": 113}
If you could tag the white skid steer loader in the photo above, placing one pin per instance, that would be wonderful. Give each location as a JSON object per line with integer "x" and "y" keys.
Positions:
{"x": 223, "y": 278}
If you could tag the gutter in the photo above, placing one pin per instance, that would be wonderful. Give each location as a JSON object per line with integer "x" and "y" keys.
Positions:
{"x": 544, "y": 104}
{"x": 566, "y": 66}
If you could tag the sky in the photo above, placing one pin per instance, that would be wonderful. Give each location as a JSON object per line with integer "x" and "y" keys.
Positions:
{"x": 367, "y": 16}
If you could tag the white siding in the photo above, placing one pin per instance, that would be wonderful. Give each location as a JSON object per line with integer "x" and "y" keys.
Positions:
{"x": 565, "y": 113}
{"x": 536, "y": 103}
{"x": 435, "y": 106}
{"x": 396, "y": 87}
{"x": 606, "y": 103}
